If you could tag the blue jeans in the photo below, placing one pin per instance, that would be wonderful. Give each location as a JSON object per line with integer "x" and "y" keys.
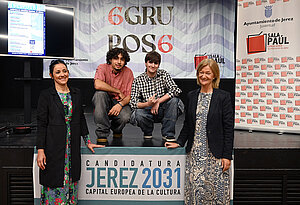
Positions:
{"x": 103, "y": 103}
{"x": 168, "y": 112}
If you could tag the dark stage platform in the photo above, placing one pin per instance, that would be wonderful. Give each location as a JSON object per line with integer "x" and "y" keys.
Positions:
{"x": 133, "y": 136}
{"x": 266, "y": 165}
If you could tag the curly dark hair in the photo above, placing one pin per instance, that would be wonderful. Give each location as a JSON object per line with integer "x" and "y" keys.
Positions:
{"x": 153, "y": 56}
{"x": 113, "y": 53}
{"x": 55, "y": 62}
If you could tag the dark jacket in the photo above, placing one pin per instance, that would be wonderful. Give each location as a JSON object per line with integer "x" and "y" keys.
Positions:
{"x": 52, "y": 130}
{"x": 219, "y": 127}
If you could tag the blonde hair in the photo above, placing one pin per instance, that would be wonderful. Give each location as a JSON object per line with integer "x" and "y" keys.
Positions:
{"x": 214, "y": 68}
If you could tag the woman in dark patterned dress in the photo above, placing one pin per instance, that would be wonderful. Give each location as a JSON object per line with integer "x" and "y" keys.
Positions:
{"x": 60, "y": 124}
{"x": 208, "y": 131}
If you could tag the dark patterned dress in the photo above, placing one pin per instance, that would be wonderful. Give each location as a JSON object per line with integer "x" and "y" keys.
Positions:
{"x": 205, "y": 182}
{"x": 68, "y": 194}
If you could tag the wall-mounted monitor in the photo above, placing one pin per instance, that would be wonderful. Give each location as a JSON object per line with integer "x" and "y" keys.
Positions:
{"x": 36, "y": 30}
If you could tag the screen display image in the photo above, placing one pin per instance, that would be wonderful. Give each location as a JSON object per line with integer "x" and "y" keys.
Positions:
{"x": 36, "y": 30}
{"x": 26, "y": 29}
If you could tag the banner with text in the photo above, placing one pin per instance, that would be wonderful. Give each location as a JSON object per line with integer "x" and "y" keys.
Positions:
{"x": 181, "y": 31}
{"x": 268, "y": 66}
{"x": 129, "y": 175}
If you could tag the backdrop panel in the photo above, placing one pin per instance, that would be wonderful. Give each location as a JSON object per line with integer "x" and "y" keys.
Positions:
{"x": 178, "y": 30}
{"x": 268, "y": 66}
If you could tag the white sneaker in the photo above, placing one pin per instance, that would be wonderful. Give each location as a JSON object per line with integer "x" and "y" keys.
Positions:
{"x": 169, "y": 139}
{"x": 147, "y": 137}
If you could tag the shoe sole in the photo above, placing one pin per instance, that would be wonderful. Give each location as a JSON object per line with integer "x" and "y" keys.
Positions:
{"x": 169, "y": 140}
{"x": 172, "y": 140}
{"x": 117, "y": 136}
{"x": 102, "y": 141}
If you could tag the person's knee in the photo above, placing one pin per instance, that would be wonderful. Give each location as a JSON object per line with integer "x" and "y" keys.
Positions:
{"x": 174, "y": 107}
{"x": 173, "y": 101}
{"x": 100, "y": 95}
{"x": 124, "y": 117}
{"x": 140, "y": 115}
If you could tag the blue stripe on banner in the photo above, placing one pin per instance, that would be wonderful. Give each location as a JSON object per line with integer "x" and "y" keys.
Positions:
{"x": 132, "y": 151}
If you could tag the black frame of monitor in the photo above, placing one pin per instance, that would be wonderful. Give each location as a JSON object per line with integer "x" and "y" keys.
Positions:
{"x": 58, "y": 29}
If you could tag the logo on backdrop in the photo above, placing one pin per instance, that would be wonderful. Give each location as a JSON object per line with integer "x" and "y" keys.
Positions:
{"x": 268, "y": 11}
{"x": 217, "y": 57}
{"x": 140, "y": 16}
{"x": 257, "y": 43}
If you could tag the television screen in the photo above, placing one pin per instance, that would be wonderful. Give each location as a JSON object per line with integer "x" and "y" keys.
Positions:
{"x": 36, "y": 30}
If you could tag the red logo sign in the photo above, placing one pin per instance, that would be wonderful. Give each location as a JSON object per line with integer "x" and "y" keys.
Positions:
{"x": 198, "y": 59}
{"x": 256, "y": 43}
